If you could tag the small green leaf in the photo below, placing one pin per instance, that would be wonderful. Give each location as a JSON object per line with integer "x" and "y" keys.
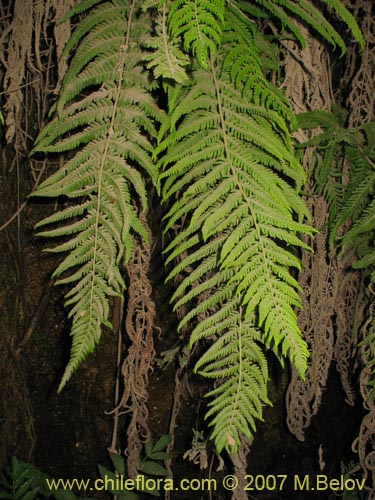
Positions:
{"x": 106, "y": 473}
{"x": 64, "y": 495}
{"x": 152, "y": 492}
{"x": 159, "y": 455}
{"x": 127, "y": 495}
{"x": 162, "y": 442}
{"x": 149, "y": 447}
{"x": 152, "y": 468}
{"x": 24, "y": 492}
{"x": 118, "y": 463}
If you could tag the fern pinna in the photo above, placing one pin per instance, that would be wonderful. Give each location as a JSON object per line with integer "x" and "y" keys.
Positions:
{"x": 106, "y": 108}
{"x": 228, "y": 160}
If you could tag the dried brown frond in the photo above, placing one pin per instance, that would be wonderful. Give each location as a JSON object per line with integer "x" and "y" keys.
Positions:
{"x": 329, "y": 290}
{"x": 364, "y": 443}
{"x": 361, "y": 99}
{"x": 139, "y": 326}
{"x": 308, "y": 86}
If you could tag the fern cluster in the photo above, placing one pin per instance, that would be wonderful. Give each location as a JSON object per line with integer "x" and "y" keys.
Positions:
{"x": 228, "y": 172}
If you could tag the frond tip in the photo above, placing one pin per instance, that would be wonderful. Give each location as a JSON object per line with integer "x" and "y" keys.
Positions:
{"x": 167, "y": 59}
{"x": 199, "y": 24}
{"x": 238, "y": 361}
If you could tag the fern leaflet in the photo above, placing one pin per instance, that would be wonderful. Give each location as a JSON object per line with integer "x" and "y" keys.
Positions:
{"x": 237, "y": 358}
{"x": 285, "y": 10}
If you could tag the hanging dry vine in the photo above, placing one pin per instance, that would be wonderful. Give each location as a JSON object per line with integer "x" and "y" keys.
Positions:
{"x": 62, "y": 34}
{"x": 316, "y": 279}
{"x": 362, "y": 102}
{"x": 333, "y": 305}
{"x": 139, "y": 326}
{"x": 19, "y": 50}
{"x": 364, "y": 444}
{"x": 361, "y": 99}
{"x": 26, "y": 52}
{"x": 348, "y": 308}
{"x": 26, "y": 77}
{"x": 307, "y": 86}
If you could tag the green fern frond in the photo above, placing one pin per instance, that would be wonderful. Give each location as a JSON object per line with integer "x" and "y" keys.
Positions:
{"x": 112, "y": 127}
{"x": 304, "y": 10}
{"x": 22, "y": 481}
{"x": 339, "y": 7}
{"x": 239, "y": 363}
{"x": 247, "y": 77}
{"x": 316, "y": 118}
{"x": 199, "y": 24}
{"x": 331, "y": 140}
{"x": 234, "y": 170}
{"x": 307, "y": 12}
{"x": 268, "y": 9}
{"x": 82, "y": 6}
{"x": 167, "y": 60}
{"x": 359, "y": 191}
{"x": 93, "y": 18}
{"x": 352, "y": 202}
{"x": 363, "y": 226}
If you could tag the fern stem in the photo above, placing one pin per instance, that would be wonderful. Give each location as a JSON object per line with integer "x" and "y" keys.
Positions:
{"x": 197, "y": 23}
{"x": 118, "y": 311}
{"x": 240, "y": 370}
